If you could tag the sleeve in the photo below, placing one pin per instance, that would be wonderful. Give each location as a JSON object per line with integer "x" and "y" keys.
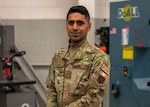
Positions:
{"x": 98, "y": 82}
{"x": 51, "y": 91}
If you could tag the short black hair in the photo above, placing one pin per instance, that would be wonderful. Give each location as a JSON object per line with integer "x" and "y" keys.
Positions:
{"x": 81, "y": 9}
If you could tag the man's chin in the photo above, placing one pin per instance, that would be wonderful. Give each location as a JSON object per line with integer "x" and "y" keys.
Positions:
{"x": 75, "y": 39}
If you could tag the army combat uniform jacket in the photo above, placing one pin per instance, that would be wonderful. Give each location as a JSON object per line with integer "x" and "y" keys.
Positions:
{"x": 80, "y": 81}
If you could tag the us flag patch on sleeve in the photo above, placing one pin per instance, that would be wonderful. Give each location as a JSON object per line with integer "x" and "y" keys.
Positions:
{"x": 103, "y": 74}
{"x": 105, "y": 68}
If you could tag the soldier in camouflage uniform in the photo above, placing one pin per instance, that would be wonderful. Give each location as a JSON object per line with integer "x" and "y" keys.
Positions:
{"x": 79, "y": 73}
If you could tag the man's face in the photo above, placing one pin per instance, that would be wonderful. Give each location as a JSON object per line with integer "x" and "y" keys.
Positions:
{"x": 77, "y": 27}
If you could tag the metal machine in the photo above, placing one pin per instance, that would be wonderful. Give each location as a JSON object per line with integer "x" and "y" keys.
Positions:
{"x": 103, "y": 34}
{"x": 130, "y": 53}
{"x": 11, "y": 94}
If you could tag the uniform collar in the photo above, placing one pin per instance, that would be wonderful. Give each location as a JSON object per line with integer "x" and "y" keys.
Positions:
{"x": 80, "y": 53}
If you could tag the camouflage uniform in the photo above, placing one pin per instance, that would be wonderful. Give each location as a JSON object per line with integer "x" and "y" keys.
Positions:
{"x": 80, "y": 81}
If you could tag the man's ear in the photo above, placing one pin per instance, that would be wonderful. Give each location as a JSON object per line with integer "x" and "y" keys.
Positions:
{"x": 90, "y": 26}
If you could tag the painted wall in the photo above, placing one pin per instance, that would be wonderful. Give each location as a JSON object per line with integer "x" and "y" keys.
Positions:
{"x": 34, "y": 9}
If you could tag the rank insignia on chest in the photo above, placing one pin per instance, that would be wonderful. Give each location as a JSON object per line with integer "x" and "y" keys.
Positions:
{"x": 68, "y": 74}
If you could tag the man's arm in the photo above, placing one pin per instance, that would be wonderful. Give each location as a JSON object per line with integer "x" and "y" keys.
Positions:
{"x": 51, "y": 91}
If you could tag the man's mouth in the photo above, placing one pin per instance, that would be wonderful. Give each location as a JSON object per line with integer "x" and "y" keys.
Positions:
{"x": 75, "y": 33}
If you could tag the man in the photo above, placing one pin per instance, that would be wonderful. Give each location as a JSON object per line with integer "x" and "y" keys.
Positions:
{"x": 79, "y": 73}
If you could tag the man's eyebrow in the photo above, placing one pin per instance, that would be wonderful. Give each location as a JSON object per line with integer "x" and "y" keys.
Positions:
{"x": 76, "y": 20}
{"x": 80, "y": 21}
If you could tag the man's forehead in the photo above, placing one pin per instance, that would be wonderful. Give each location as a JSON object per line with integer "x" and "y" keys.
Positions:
{"x": 76, "y": 17}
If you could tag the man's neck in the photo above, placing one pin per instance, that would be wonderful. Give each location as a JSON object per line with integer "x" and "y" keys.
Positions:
{"x": 76, "y": 44}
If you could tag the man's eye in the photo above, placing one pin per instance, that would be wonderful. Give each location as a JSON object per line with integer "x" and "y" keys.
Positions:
{"x": 80, "y": 23}
{"x": 70, "y": 22}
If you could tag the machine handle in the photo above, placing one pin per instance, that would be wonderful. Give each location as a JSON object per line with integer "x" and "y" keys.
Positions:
{"x": 115, "y": 89}
{"x": 8, "y": 65}
{"x": 21, "y": 53}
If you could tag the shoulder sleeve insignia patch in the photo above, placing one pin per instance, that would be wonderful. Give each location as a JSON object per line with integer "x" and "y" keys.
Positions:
{"x": 102, "y": 76}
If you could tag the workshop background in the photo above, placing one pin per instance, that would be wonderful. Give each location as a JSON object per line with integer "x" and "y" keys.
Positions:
{"x": 39, "y": 30}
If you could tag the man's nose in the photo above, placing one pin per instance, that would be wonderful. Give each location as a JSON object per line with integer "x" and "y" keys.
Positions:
{"x": 75, "y": 26}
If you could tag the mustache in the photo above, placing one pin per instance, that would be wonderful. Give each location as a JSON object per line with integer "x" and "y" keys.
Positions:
{"x": 75, "y": 32}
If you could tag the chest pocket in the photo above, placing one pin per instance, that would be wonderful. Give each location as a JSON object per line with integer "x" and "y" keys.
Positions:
{"x": 59, "y": 79}
{"x": 81, "y": 72}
